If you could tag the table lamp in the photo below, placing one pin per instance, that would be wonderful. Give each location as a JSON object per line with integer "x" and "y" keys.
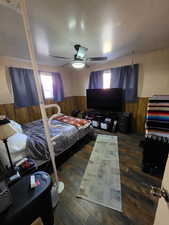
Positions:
{"x": 6, "y": 131}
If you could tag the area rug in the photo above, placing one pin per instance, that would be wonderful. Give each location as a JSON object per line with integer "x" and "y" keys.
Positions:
{"x": 101, "y": 180}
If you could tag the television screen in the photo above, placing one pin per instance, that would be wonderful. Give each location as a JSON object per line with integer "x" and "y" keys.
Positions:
{"x": 105, "y": 99}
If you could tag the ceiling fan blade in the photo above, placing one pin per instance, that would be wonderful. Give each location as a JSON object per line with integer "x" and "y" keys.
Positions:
{"x": 65, "y": 64}
{"x": 97, "y": 58}
{"x": 59, "y": 57}
{"x": 81, "y": 51}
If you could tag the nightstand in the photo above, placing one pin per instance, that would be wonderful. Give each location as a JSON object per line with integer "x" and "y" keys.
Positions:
{"x": 29, "y": 204}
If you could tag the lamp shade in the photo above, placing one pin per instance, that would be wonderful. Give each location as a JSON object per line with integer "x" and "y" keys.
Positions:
{"x": 6, "y": 130}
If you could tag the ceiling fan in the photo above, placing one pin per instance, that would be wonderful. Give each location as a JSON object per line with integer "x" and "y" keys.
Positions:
{"x": 80, "y": 60}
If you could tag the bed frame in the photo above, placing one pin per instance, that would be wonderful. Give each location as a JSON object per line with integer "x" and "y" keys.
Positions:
{"x": 60, "y": 159}
{"x": 63, "y": 157}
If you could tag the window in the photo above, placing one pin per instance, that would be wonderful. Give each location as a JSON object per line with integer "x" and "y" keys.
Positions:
{"x": 106, "y": 79}
{"x": 47, "y": 84}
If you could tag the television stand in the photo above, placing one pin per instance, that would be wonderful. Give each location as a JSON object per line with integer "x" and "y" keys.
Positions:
{"x": 110, "y": 121}
{"x": 105, "y": 120}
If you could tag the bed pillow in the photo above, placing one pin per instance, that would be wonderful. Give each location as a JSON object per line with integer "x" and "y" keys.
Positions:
{"x": 16, "y": 126}
{"x": 17, "y": 146}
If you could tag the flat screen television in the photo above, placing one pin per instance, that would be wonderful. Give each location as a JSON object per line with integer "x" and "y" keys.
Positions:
{"x": 105, "y": 99}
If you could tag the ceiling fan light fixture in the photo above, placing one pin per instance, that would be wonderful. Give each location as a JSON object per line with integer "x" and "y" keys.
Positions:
{"x": 78, "y": 64}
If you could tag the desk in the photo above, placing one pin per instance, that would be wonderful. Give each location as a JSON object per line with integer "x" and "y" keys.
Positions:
{"x": 29, "y": 204}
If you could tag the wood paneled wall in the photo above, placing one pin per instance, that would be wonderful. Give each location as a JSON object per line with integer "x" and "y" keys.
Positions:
{"x": 28, "y": 114}
{"x": 137, "y": 109}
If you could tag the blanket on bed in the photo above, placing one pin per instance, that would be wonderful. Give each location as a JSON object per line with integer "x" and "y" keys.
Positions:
{"x": 77, "y": 122}
{"x": 66, "y": 136}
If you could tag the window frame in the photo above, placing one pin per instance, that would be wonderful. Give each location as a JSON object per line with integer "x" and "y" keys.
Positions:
{"x": 44, "y": 73}
{"x": 108, "y": 72}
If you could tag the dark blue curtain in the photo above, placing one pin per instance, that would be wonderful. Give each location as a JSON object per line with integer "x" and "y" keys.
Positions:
{"x": 126, "y": 77}
{"x": 58, "y": 92}
{"x": 24, "y": 88}
{"x": 96, "y": 80}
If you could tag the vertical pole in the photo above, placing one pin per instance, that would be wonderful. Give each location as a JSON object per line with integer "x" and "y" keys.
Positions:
{"x": 24, "y": 12}
{"x": 9, "y": 156}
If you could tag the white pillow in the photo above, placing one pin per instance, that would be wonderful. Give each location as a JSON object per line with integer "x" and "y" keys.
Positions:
{"x": 17, "y": 142}
{"x": 17, "y": 146}
{"x": 16, "y": 126}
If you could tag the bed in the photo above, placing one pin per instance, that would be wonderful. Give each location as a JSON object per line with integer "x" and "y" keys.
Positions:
{"x": 31, "y": 140}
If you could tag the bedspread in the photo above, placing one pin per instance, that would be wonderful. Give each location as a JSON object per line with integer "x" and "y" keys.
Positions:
{"x": 77, "y": 122}
{"x": 66, "y": 136}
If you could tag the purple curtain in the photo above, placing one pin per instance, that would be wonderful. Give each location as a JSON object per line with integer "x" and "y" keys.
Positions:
{"x": 96, "y": 80}
{"x": 126, "y": 77}
{"x": 24, "y": 88}
{"x": 58, "y": 92}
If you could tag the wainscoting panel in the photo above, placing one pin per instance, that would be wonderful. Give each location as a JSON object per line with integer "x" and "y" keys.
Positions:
{"x": 28, "y": 114}
{"x": 138, "y": 110}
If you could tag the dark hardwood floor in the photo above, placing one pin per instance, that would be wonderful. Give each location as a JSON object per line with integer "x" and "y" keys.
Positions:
{"x": 138, "y": 205}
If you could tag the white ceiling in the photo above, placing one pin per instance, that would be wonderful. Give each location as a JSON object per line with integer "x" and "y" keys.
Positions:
{"x": 107, "y": 27}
